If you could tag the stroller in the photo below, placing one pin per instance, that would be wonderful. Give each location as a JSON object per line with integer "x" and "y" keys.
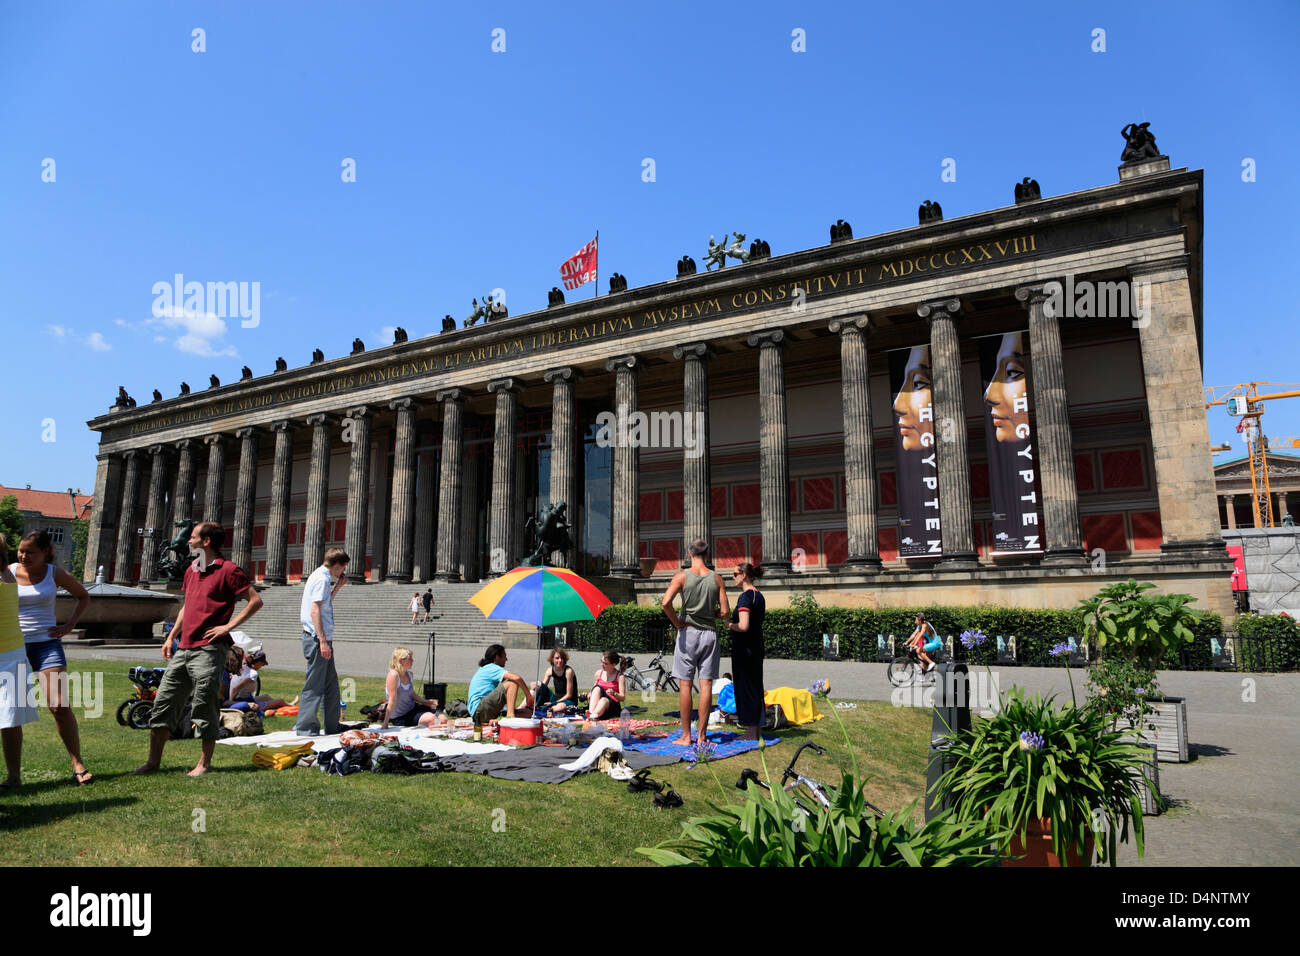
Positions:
{"x": 134, "y": 712}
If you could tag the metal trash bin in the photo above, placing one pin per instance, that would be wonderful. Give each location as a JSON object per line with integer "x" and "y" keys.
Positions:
{"x": 951, "y": 716}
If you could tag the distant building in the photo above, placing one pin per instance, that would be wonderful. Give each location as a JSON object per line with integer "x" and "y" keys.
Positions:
{"x": 1232, "y": 485}
{"x": 52, "y": 511}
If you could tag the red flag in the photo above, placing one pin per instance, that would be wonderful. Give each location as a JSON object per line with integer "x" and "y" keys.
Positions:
{"x": 581, "y": 269}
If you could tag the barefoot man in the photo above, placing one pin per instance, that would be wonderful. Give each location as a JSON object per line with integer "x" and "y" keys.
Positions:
{"x": 697, "y": 651}
{"x": 212, "y": 586}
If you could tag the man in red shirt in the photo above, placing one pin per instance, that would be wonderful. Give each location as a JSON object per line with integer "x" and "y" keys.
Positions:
{"x": 212, "y": 587}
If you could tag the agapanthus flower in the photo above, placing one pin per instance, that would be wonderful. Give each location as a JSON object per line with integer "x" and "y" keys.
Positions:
{"x": 973, "y": 639}
{"x": 1030, "y": 740}
{"x": 703, "y": 752}
{"x": 1139, "y": 690}
{"x": 1060, "y": 649}
{"x": 820, "y": 687}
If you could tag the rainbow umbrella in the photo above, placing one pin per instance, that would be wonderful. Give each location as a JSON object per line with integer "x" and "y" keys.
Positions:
{"x": 541, "y": 596}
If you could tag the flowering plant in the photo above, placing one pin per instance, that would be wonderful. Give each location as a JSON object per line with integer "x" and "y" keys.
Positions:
{"x": 973, "y": 639}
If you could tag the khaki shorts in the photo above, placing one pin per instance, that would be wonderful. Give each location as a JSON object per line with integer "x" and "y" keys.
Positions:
{"x": 697, "y": 654}
{"x": 195, "y": 672}
{"x": 491, "y": 706}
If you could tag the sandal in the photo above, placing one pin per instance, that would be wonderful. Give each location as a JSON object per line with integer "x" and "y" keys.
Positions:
{"x": 669, "y": 798}
{"x": 641, "y": 782}
{"x": 83, "y": 779}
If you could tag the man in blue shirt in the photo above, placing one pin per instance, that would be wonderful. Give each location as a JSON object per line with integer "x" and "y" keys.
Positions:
{"x": 320, "y": 689}
{"x": 493, "y": 689}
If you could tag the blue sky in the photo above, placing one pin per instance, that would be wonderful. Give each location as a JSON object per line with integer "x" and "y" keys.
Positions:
{"x": 478, "y": 169}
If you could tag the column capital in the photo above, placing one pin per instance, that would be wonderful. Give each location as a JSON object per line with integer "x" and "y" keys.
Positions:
{"x": 405, "y": 403}
{"x": 215, "y": 439}
{"x": 694, "y": 352}
{"x": 110, "y": 455}
{"x": 156, "y": 450}
{"x": 359, "y": 411}
{"x": 566, "y": 373}
{"x": 503, "y": 385}
{"x": 250, "y": 431}
{"x": 321, "y": 418}
{"x": 283, "y": 425}
{"x": 1174, "y": 264}
{"x": 130, "y": 454}
{"x": 1034, "y": 293}
{"x": 851, "y": 324}
{"x": 768, "y": 339}
{"x": 451, "y": 394}
{"x": 183, "y": 444}
{"x": 624, "y": 361}
{"x": 939, "y": 309}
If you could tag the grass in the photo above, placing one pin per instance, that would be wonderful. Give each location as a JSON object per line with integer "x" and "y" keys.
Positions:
{"x": 302, "y": 817}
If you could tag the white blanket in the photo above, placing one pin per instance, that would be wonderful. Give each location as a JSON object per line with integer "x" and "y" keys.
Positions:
{"x": 592, "y": 753}
{"x": 410, "y": 736}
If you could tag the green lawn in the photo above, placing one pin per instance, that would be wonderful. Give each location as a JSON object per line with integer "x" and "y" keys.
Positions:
{"x": 258, "y": 817}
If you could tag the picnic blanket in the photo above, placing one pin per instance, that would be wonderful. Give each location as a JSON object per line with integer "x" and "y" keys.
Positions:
{"x": 541, "y": 764}
{"x": 728, "y": 745}
{"x": 439, "y": 746}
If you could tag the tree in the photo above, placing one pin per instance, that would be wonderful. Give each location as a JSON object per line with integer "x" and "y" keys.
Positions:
{"x": 80, "y": 537}
{"x": 11, "y": 522}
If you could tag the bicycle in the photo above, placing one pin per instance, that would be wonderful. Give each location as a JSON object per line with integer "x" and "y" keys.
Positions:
{"x": 905, "y": 669}
{"x": 792, "y": 780}
{"x": 662, "y": 678}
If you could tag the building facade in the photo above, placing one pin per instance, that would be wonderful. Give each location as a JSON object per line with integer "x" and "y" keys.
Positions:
{"x": 770, "y": 408}
{"x": 1232, "y": 484}
{"x": 54, "y": 512}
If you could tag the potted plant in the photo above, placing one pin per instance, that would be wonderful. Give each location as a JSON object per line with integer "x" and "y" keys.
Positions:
{"x": 1056, "y": 781}
{"x": 1122, "y": 691}
{"x": 1143, "y": 628}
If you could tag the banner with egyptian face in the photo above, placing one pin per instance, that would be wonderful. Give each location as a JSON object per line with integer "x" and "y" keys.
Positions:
{"x": 1010, "y": 440}
{"x": 912, "y": 385}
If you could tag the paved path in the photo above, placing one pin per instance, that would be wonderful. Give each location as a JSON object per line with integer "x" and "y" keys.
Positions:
{"x": 1236, "y": 803}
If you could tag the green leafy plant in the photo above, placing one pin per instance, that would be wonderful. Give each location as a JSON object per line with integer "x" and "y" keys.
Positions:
{"x": 1034, "y": 761}
{"x": 1121, "y": 689}
{"x": 1143, "y": 627}
{"x": 769, "y": 829}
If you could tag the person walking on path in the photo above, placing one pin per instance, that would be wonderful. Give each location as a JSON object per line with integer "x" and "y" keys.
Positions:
{"x": 414, "y": 606}
{"x": 320, "y": 688}
{"x": 38, "y": 583}
{"x": 747, "y": 649}
{"x": 212, "y": 586}
{"x": 428, "y": 604}
{"x": 697, "y": 651}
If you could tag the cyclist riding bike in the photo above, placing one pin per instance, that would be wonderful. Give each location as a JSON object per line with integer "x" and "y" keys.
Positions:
{"x": 925, "y": 640}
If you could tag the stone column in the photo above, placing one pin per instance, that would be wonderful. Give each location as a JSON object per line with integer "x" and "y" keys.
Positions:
{"x": 426, "y": 492}
{"x": 950, "y": 429}
{"x": 380, "y": 500}
{"x": 1281, "y": 511}
{"x": 155, "y": 534}
{"x": 1230, "y": 501}
{"x": 183, "y": 498}
{"x": 697, "y": 511}
{"x": 318, "y": 489}
{"x": 469, "y": 547}
{"x": 241, "y": 548}
{"x": 277, "y": 523}
{"x": 859, "y": 465}
{"x": 358, "y": 423}
{"x": 216, "y": 478}
{"x": 104, "y": 516}
{"x": 126, "y": 529}
{"x": 626, "y": 529}
{"x": 773, "y": 462}
{"x": 501, "y": 543}
{"x": 563, "y": 477}
{"x": 447, "y": 563}
{"x": 401, "y": 515}
{"x": 1180, "y": 434}
{"x": 1063, "y": 536}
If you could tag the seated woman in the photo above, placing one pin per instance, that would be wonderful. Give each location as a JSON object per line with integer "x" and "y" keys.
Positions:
{"x": 559, "y": 689}
{"x": 494, "y": 689}
{"x": 610, "y": 689}
{"x": 406, "y": 708}
{"x": 242, "y": 694}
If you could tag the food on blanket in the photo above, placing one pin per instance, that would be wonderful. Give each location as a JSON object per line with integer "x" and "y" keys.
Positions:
{"x": 358, "y": 738}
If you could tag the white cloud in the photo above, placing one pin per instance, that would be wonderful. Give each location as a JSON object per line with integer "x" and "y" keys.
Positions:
{"x": 95, "y": 340}
{"x": 122, "y": 322}
{"x": 201, "y": 333}
{"x": 57, "y": 331}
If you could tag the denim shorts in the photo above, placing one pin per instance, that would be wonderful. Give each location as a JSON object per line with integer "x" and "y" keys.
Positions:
{"x": 42, "y": 655}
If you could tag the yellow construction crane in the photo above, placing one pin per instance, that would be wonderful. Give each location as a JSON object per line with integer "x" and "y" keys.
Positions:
{"x": 1245, "y": 402}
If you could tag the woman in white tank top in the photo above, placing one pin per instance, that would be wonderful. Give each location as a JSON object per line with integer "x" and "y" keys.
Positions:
{"x": 38, "y": 583}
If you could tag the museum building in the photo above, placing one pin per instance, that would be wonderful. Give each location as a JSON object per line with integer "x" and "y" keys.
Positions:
{"x": 1003, "y": 407}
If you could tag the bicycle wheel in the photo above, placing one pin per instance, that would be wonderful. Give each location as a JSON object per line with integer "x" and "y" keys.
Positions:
{"x": 902, "y": 671}
{"x": 670, "y": 683}
{"x": 138, "y": 714}
{"x": 636, "y": 679}
{"x": 122, "y": 708}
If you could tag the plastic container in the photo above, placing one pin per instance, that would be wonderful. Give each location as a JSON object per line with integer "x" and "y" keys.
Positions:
{"x": 520, "y": 731}
{"x": 624, "y": 725}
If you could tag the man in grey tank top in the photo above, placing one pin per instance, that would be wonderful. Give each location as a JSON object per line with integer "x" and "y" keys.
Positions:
{"x": 697, "y": 651}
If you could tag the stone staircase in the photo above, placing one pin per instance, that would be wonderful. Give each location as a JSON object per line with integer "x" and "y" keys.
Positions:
{"x": 378, "y": 612}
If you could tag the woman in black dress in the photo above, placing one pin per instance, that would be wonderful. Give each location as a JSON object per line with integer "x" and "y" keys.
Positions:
{"x": 747, "y": 649}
